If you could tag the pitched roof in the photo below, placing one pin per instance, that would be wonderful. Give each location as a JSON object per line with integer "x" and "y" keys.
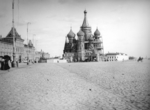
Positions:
{"x": 112, "y": 53}
{"x": 10, "y": 34}
{"x": 117, "y": 53}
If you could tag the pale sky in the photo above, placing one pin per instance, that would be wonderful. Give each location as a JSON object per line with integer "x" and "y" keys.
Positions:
{"x": 124, "y": 24}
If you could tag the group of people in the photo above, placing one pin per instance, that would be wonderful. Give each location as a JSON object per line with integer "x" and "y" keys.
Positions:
{"x": 140, "y": 59}
{"x": 5, "y": 63}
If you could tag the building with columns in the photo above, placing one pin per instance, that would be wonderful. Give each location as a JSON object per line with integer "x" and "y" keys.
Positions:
{"x": 87, "y": 47}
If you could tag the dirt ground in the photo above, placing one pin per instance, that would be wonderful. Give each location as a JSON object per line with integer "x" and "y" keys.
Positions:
{"x": 77, "y": 86}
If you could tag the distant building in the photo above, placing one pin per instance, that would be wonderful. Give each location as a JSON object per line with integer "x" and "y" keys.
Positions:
{"x": 46, "y": 55}
{"x": 41, "y": 54}
{"x": 7, "y": 45}
{"x": 29, "y": 51}
{"x": 132, "y": 58}
{"x": 87, "y": 47}
{"x": 116, "y": 57}
{"x": 22, "y": 50}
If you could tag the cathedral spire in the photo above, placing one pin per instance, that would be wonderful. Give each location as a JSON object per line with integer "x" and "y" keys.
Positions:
{"x": 85, "y": 22}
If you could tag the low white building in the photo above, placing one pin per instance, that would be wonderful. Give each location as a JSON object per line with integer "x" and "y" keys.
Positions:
{"x": 116, "y": 57}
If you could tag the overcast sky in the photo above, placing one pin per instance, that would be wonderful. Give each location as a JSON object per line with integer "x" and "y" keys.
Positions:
{"x": 124, "y": 24}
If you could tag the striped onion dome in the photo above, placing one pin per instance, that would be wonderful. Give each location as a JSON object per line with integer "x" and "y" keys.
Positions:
{"x": 71, "y": 34}
{"x": 80, "y": 33}
{"x": 97, "y": 32}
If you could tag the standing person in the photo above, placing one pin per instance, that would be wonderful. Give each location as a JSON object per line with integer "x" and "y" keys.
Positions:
{"x": 9, "y": 63}
{"x": 27, "y": 61}
{"x": 17, "y": 63}
{"x": 2, "y": 64}
{"x": 6, "y": 67}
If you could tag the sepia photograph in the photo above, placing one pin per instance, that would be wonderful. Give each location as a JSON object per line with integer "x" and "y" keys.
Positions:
{"x": 74, "y": 54}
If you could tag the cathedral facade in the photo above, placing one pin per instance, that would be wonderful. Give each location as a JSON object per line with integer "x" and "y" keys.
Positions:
{"x": 87, "y": 47}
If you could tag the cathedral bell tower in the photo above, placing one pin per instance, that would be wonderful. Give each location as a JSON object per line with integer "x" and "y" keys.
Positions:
{"x": 98, "y": 38}
{"x": 85, "y": 27}
{"x": 81, "y": 48}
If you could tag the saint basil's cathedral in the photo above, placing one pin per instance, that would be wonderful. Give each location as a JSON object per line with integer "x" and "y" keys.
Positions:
{"x": 87, "y": 47}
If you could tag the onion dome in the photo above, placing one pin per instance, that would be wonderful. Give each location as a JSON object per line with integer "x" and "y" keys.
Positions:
{"x": 80, "y": 33}
{"x": 71, "y": 34}
{"x": 97, "y": 32}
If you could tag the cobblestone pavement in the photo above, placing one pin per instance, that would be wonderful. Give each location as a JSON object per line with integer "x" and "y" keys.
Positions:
{"x": 76, "y": 86}
{"x": 129, "y": 81}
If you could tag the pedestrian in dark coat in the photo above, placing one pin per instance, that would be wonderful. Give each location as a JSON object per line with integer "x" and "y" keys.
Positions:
{"x": 6, "y": 64}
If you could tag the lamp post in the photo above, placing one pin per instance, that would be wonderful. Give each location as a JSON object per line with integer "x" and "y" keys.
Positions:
{"x": 36, "y": 44}
{"x": 36, "y": 54}
{"x": 33, "y": 48}
{"x": 33, "y": 40}
{"x": 14, "y": 45}
{"x": 27, "y": 44}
